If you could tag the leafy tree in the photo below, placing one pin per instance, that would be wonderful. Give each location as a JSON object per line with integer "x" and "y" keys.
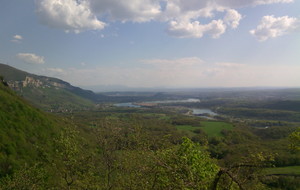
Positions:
{"x": 295, "y": 140}
{"x": 71, "y": 163}
{"x": 186, "y": 166}
{"x": 28, "y": 177}
{"x": 109, "y": 142}
{"x": 244, "y": 174}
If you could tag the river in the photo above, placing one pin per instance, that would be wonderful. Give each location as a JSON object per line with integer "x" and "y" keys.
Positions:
{"x": 197, "y": 111}
{"x": 135, "y": 105}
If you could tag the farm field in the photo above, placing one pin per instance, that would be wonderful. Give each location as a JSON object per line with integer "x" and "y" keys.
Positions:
{"x": 211, "y": 128}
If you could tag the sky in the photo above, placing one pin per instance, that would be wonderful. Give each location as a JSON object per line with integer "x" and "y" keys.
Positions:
{"x": 155, "y": 43}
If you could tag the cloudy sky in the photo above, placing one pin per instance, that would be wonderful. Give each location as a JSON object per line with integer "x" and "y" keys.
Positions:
{"x": 154, "y": 43}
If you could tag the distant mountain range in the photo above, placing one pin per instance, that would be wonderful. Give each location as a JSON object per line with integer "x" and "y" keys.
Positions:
{"x": 48, "y": 93}
{"x": 52, "y": 94}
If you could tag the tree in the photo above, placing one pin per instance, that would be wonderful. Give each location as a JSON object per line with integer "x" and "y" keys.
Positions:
{"x": 295, "y": 140}
{"x": 186, "y": 166}
{"x": 71, "y": 162}
{"x": 244, "y": 174}
{"x": 28, "y": 177}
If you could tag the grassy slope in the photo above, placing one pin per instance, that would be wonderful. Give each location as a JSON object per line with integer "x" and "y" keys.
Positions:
{"x": 214, "y": 128}
{"x": 25, "y": 132}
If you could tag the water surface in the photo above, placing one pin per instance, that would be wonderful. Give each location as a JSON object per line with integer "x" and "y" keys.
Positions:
{"x": 197, "y": 111}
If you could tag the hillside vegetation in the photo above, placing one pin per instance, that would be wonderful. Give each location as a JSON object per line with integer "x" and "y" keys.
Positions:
{"x": 26, "y": 134}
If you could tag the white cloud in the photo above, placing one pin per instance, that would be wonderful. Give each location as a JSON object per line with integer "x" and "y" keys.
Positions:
{"x": 69, "y": 15}
{"x": 17, "y": 38}
{"x": 31, "y": 58}
{"x": 196, "y": 30}
{"x": 232, "y": 18}
{"x": 272, "y": 27}
{"x": 185, "y": 18}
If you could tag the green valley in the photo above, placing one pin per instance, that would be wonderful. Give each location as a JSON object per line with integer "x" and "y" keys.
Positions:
{"x": 233, "y": 141}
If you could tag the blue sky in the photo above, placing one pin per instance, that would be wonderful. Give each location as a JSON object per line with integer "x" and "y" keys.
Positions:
{"x": 154, "y": 43}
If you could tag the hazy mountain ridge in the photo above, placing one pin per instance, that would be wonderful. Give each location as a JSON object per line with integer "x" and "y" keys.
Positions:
{"x": 47, "y": 92}
{"x": 18, "y": 79}
{"x": 52, "y": 94}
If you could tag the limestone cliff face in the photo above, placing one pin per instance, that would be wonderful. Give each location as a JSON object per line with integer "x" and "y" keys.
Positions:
{"x": 59, "y": 85}
{"x": 35, "y": 83}
{"x": 45, "y": 92}
{"x": 30, "y": 81}
{"x": 15, "y": 85}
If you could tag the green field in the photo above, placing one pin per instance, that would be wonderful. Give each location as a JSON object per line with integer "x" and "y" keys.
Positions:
{"x": 211, "y": 128}
{"x": 293, "y": 170}
{"x": 214, "y": 128}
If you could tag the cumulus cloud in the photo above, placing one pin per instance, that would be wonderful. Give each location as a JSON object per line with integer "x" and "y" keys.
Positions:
{"x": 17, "y": 38}
{"x": 272, "y": 27}
{"x": 31, "y": 58}
{"x": 232, "y": 18}
{"x": 69, "y": 15}
{"x": 184, "y": 18}
{"x": 196, "y": 30}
